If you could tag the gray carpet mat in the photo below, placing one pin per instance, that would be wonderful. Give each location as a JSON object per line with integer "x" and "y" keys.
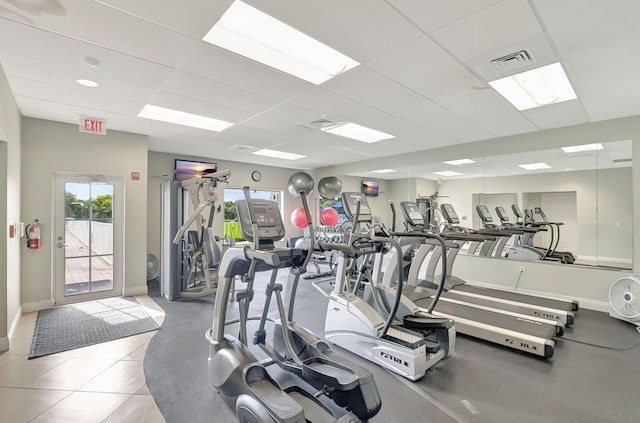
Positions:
{"x": 481, "y": 383}
{"x": 79, "y": 325}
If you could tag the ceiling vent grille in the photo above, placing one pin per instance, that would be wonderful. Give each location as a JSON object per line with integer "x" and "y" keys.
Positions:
{"x": 622, "y": 160}
{"x": 243, "y": 148}
{"x": 513, "y": 61}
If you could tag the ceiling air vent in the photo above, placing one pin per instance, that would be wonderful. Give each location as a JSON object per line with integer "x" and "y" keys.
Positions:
{"x": 243, "y": 148}
{"x": 325, "y": 123}
{"x": 622, "y": 160}
{"x": 513, "y": 61}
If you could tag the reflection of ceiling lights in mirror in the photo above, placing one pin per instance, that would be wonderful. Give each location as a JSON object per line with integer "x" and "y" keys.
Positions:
{"x": 582, "y": 148}
{"x": 359, "y": 133}
{"x": 536, "y": 87}
{"x": 279, "y": 154}
{"x": 182, "y": 118}
{"x": 383, "y": 171}
{"x": 252, "y": 33}
{"x": 535, "y": 166}
{"x": 460, "y": 162}
{"x": 448, "y": 173}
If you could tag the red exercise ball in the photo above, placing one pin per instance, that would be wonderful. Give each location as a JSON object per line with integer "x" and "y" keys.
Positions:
{"x": 329, "y": 217}
{"x": 298, "y": 218}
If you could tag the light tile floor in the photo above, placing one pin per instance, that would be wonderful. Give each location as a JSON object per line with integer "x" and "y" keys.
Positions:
{"x": 99, "y": 383}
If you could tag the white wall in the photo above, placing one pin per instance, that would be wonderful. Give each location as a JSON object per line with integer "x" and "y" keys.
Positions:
{"x": 162, "y": 166}
{"x": 10, "y": 151}
{"x": 49, "y": 147}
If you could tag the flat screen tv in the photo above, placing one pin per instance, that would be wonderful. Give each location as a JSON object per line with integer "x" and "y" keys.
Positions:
{"x": 370, "y": 188}
{"x": 187, "y": 169}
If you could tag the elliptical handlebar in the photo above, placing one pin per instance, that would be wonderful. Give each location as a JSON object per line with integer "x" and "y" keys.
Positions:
{"x": 307, "y": 213}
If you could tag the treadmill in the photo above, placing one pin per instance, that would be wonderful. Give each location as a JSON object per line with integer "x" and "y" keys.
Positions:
{"x": 533, "y": 336}
{"x": 534, "y": 306}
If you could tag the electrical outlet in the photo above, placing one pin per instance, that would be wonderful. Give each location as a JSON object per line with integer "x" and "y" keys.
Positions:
{"x": 521, "y": 269}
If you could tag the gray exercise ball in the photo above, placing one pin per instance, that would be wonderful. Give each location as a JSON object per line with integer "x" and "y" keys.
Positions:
{"x": 300, "y": 182}
{"x": 329, "y": 187}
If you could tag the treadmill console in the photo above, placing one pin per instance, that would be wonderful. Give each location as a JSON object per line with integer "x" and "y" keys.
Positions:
{"x": 449, "y": 214}
{"x": 350, "y": 204}
{"x": 267, "y": 214}
{"x": 484, "y": 213}
{"x": 516, "y": 211}
{"x": 411, "y": 215}
{"x": 502, "y": 214}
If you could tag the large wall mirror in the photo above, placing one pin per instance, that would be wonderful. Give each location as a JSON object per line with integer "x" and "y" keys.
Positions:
{"x": 588, "y": 189}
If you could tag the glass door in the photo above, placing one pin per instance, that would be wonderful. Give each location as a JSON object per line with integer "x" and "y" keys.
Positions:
{"x": 86, "y": 235}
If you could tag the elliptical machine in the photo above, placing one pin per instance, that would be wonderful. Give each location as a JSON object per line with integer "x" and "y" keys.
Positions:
{"x": 303, "y": 379}
{"x": 390, "y": 333}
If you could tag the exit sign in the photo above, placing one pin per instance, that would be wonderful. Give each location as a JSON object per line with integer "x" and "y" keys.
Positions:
{"x": 93, "y": 126}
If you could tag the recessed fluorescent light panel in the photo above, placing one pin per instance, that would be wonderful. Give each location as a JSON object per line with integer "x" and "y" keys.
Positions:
{"x": 249, "y": 32}
{"x": 537, "y": 87}
{"x": 279, "y": 154}
{"x": 359, "y": 133}
{"x": 383, "y": 171}
{"x": 535, "y": 166}
{"x": 460, "y": 162}
{"x": 448, "y": 173}
{"x": 87, "y": 83}
{"x": 183, "y": 118}
{"x": 582, "y": 148}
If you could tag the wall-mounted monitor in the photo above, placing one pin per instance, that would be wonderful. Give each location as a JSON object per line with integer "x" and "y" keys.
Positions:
{"x": 370, "y": 188}
{"x": 187, "y": 169}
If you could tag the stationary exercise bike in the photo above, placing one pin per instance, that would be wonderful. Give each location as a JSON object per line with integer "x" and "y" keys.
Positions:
{"x": 303, "y": 379}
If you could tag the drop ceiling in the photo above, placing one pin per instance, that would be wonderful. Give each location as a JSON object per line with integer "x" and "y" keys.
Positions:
{"x": 423, "y": 73}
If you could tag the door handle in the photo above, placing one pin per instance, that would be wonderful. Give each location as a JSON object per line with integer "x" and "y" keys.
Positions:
{"x": 61, "y": 245}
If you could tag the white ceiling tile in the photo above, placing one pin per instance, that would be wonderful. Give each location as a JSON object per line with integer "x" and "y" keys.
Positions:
{"x": 581, "y": 27}
{"x": 85, "y": 20}
{"x": 53, "y": 49}
{"x": 567, "y": 113}
{"x": 217, "y": 64}
{"x": 190, "y": 17}
{"x": 605, "y": 71}
{"x": 430, "y": 15}
{"x": 213, "y": 91}
{"x": 361, "y": 29}
{"x": 197, "y": 106}
{"x": 488, "y": 110}
{"x": 423, "y": 66}
{"x": 490, "y": 29}
{"x": 612, "y": 105}
{"x": 442, "y": 121}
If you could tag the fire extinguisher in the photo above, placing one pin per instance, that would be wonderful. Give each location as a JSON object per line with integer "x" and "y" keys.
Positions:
{"x": 33, "y": 235}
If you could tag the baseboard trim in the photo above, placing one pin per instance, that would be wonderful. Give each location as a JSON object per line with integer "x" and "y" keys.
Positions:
{"x": 584, "y": 302}
{"x": 136, "y": 290}
{"x": 37, "y": 305}
{"x": 4, "y": 343}
{"x": 14, "y": 326}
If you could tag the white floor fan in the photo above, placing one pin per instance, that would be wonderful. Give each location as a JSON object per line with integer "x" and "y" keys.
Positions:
{"x": 624, "y": 298}
{"x": 153, "y": 267}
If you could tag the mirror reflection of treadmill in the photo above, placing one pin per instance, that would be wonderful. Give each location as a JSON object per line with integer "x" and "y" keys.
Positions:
{"x": 533, "y": 305}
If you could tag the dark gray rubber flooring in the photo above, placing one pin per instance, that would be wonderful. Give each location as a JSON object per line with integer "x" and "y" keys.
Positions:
{"x": 481, "y": 382}
{"x": 79, "y": 325}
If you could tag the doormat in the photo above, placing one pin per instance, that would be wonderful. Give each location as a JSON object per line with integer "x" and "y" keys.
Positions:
{"x": 79, "y": 325}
